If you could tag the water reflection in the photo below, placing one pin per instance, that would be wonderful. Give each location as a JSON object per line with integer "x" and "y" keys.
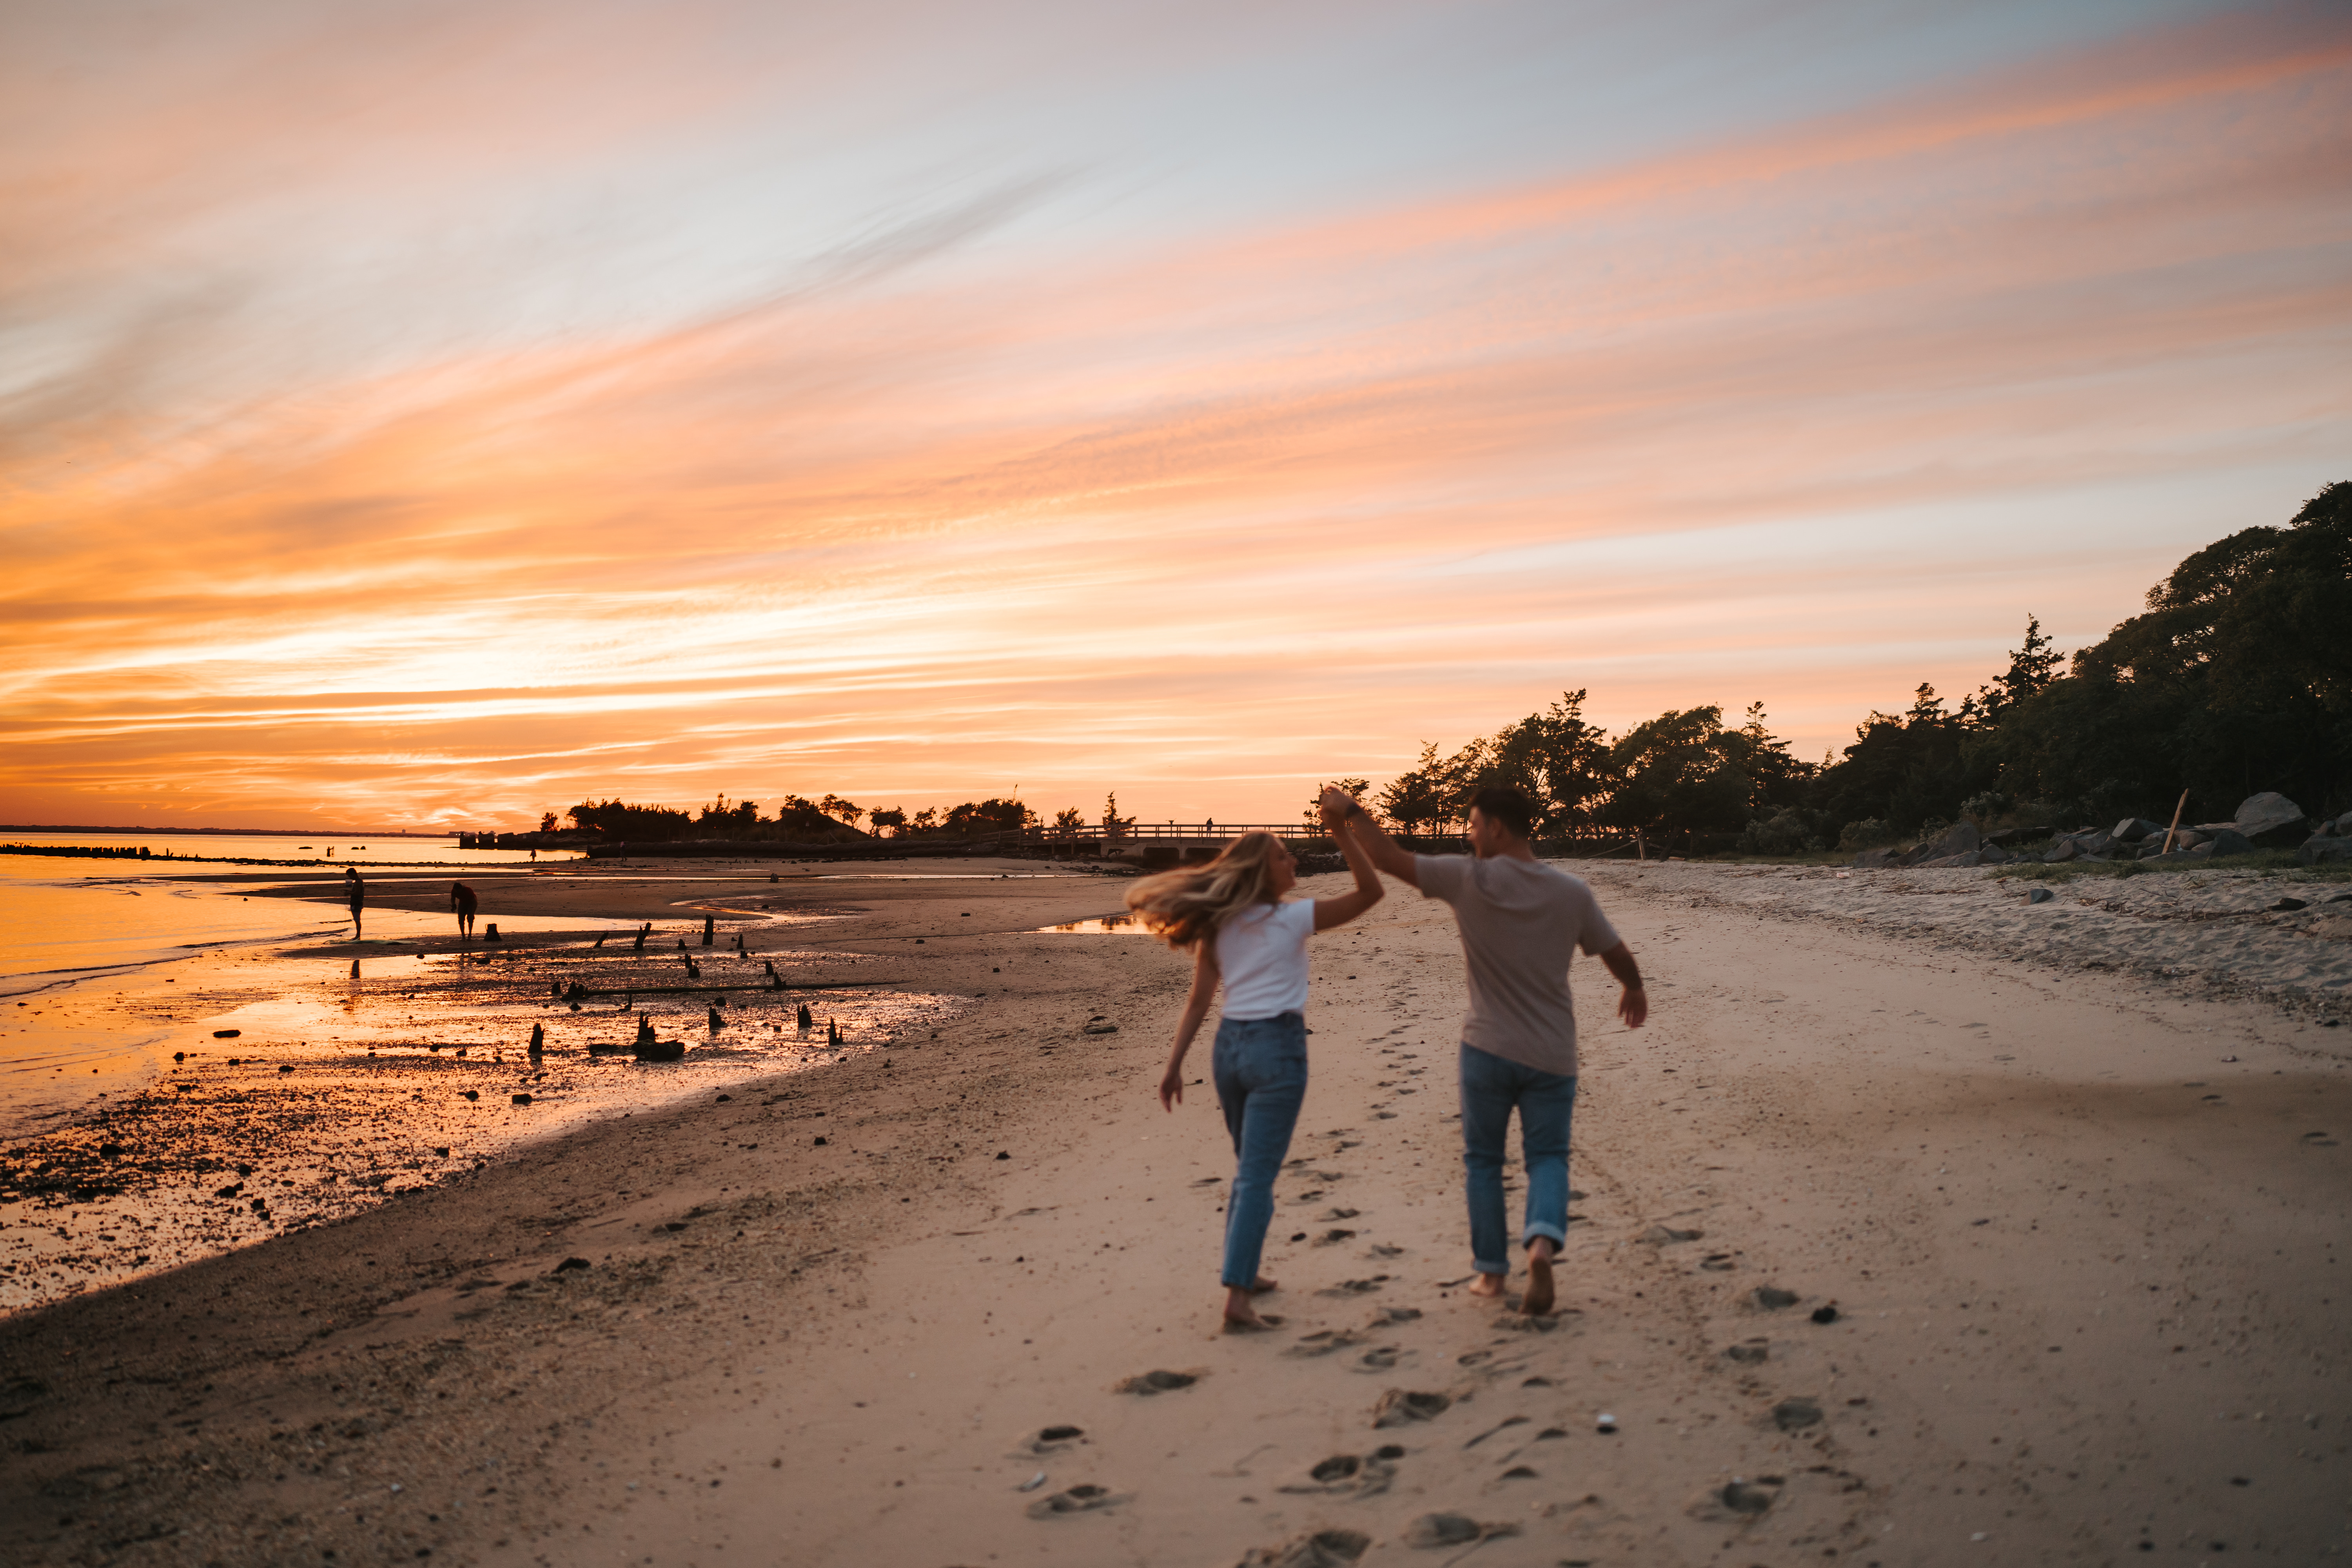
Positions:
{"x": 1107, "y": 925}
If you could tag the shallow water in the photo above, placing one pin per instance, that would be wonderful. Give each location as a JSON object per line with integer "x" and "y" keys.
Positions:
{"x": 137, "y": 1138}
{"x": 174, "y": 849}
{"x": 1108, "y": 925}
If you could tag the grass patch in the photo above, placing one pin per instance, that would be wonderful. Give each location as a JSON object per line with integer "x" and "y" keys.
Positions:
{"x": 2271, "y": 863}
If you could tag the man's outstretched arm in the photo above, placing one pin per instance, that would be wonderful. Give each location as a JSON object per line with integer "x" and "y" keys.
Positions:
{"x": 1387, "y": 854}
{"x": 1634, "y": 1006}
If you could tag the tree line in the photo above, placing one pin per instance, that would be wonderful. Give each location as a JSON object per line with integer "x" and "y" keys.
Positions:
{"x": 2236, "y": 678}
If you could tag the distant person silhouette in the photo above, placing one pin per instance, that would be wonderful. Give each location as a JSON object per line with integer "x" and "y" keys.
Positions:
{"x": 462, "y": 900}
{"x": 355, "y": 891}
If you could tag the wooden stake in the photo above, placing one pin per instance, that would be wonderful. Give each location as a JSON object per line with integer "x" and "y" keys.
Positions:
{"x": 2180, "y": 806}
{"x": 1641, "y": 850}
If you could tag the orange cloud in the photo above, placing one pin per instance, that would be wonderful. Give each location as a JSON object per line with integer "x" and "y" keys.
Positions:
{"x": 1807, "y": 416}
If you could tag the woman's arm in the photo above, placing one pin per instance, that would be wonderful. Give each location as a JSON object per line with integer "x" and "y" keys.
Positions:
{"x": 1196, "y": 1007}
{"x": 1330, "y": 912}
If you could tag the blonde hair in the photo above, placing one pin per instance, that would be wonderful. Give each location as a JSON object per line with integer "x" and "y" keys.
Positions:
{"x": 1185, "y": 907}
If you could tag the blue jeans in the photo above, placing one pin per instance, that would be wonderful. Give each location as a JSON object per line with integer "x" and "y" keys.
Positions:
{"x": 1490, "y": 1088}
{"x": 1260, "y": 1069}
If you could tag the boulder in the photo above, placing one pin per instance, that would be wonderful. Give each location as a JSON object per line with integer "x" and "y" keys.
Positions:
{"x": 2062, "y": 848}
{"x": 1876, "y": 859}
{"x": 1950, "y": 862}
{"x": 2186, "y": 838}
{"x": 2132, "y": 829}
{"x": 2321, "y": 849}
{"x": 2229, "y": 841}
{"x": 1993, "y": 855}
{"x": 2271, "y": 818}
{"x": 2343, "y": 826}
{"x": 1960, "y": 838}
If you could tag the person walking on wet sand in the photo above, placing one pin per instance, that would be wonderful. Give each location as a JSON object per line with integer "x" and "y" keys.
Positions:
{"x": 355, "y": 892}
{"x": 1520, "y": 921}
{"x": 1231, "y": 913}
{"x": 462, "y": 900}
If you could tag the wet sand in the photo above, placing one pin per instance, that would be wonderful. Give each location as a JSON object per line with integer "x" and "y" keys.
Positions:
{"x": 2079, "y": 1232}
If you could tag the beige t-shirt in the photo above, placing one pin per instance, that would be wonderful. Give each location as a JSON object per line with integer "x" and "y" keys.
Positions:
{"x": 1520, "y": 922}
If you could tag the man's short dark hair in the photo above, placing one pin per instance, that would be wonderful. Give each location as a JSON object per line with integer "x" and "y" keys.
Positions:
{"x": 1512, "y": 808}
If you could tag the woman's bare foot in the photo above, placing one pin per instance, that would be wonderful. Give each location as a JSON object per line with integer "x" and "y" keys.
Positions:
{"x": 1488, "y": 1284}
{"x": 1539, "y": 1297}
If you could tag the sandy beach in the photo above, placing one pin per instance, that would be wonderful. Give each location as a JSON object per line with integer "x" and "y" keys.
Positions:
{"x": 1908, "y": 1232}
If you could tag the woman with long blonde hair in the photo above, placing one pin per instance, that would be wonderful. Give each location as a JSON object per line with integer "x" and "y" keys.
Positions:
{"x": 1246, "y": 938}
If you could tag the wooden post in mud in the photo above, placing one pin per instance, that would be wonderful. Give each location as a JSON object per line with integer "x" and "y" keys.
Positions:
{"x": 707, "y": 922}
{"x": 2181, "y": 807}
{"x": 1641, "y": 850}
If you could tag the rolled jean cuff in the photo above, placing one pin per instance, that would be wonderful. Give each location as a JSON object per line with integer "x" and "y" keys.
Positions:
{"x": 1490, "y": 1267}
{"x": 1558, "y": 1237}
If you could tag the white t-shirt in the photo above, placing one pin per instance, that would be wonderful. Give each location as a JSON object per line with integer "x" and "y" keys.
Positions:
{"x": 1262, "y": 960}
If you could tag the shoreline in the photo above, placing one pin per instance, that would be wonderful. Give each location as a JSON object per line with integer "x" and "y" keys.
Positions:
{"x": 395, "y": 1063}
{"x": 864, "y": 1342}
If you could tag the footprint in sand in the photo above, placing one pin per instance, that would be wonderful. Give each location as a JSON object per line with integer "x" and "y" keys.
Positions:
{"x": 1322, "y": 1342}
{"x": 1382, "y": 1358}
{"x": 1795, "y": 1413}
{"x": 1397, "y": 1407}
{"x": 1348, "y": 1475}
{"x": 1053, "y": 1439}
{"x": 1750, "y": 1352}
{"x": 1667, "y": 1235}
{"x": 1077, "y": 1499}
{"x": 1452, "y": 1529}
{"x": 1735, "y": 1500}
{"x": 1383, "y": 1249}
{"x": 1338, "y": 1213}
{"x": 1395, "y": 1315}
{"x": 1355, "y": 1287}
{"x": 1322, "y": 1549}
{"x": 1718, "y": 1263}
{"x": 1771, "y": 1298}
{"x": 1158, "y": 1383}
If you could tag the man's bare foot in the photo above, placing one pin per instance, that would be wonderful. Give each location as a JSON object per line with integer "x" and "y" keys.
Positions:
{"x": 1261, "y": 1285}
{"x": 1242, "y": 1317}
{"x": 1539, "y": 1297}
{"x": 1488, "y": 1284}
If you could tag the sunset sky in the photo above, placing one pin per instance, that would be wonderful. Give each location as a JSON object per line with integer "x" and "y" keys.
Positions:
{"x": 426, "y": 413}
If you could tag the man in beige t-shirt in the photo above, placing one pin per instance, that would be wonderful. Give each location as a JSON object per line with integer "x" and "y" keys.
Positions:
{"x": 1520, "y": 921}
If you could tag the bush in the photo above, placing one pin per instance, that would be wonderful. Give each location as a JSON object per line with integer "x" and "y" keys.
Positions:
{"x": 1785, "y": 833}
{"x": 1868, "y": 833}
{"x": 1984, "y": 807}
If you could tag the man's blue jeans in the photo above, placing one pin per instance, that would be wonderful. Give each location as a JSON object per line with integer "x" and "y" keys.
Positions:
{"x": 1260, "y": 1069}
{"x": 1490, "y": 1088}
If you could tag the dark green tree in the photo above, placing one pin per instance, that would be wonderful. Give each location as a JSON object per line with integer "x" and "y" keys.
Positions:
{"x": 1676, "y": 774}
{"x": 2237, "y": 677}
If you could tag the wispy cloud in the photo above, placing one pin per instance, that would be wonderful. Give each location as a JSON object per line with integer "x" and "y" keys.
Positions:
{"x": 974, "y": 488}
